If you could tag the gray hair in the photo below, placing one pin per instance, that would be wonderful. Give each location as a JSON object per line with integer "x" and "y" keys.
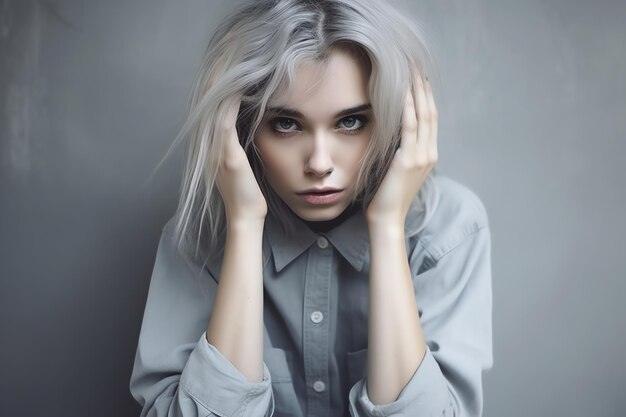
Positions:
{"x": 253, "y": 54}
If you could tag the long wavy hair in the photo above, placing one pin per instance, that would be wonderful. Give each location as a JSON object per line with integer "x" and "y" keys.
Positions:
{"x": 253, "y": 54}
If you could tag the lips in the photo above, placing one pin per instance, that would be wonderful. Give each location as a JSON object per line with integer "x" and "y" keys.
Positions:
{"x": 323, "y": 191}
{"x": 322, "y": 198}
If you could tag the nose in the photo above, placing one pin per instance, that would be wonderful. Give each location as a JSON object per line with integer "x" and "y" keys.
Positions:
{"x": 319, "y": 162}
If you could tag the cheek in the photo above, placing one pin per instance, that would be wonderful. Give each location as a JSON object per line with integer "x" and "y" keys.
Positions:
{"x": 352, "y": 154}
{"x": 275, "y": 161}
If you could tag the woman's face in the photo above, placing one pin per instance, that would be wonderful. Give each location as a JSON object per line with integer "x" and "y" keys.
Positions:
{"x": 315, "y": 136}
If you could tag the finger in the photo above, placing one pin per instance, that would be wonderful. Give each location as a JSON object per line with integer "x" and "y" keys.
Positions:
{"x": 229, "y": 125}
{"x": 434, "y": 121}
{"x": 409, "y": 123}
{"x": 423, "y": 119}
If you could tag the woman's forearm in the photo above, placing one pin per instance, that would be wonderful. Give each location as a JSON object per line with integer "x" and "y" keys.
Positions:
{"x": 396, "y": 344}
{"x": 236, "y": 323}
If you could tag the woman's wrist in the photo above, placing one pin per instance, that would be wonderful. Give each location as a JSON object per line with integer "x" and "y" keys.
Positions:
{"x": 242, "y": 223}
{"x": 383, "y": 225}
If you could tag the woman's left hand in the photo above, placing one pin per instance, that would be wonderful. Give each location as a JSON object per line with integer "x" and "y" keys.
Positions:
{"x": 413, "y": 161}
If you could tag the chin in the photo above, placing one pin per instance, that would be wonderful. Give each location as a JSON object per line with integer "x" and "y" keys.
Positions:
{"x": 320, "y": 214}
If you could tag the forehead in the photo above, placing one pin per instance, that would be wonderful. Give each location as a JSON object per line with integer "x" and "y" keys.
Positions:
{"x": 321, "y": 88}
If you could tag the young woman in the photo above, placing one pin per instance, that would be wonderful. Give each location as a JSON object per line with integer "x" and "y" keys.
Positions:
{"x": 316, "y": 265}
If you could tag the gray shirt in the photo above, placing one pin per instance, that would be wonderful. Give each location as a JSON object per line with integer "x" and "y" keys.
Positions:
{"x": 315, "y": 323}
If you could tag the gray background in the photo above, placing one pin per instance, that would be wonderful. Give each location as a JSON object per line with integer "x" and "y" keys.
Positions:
{"x": 532, "y": 118}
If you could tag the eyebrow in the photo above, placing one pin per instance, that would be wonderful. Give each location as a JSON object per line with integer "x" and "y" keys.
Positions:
{"x": 285, "y": 111}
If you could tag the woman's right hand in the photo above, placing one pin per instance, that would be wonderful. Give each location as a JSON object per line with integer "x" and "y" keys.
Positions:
{"x": 243, "y": 199}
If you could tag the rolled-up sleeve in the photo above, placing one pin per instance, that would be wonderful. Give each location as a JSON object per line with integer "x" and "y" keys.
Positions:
{"x": 176, "y": 371}
{"x": 455, "y": 296}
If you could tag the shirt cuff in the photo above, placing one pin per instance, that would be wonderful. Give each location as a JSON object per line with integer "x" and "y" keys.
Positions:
{"x": 426, "y": 394}
{"x": 213, "y": 381}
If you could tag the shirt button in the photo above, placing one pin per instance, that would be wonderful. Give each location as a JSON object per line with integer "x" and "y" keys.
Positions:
{"x": 322, "y": 242}
{"x": 319, "y": 386}
{"x": 317, "y": 316}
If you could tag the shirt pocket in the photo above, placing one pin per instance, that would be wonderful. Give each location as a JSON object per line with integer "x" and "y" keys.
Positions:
{"x": 279, "y": 363}
{"x": 357, "y": 365}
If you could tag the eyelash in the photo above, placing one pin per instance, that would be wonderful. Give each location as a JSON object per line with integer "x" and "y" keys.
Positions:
{"x": 362, "y": 119}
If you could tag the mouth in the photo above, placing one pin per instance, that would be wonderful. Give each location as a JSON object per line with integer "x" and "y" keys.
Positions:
{"x": 322, "y": 198}
{"x": 321, "y": 192}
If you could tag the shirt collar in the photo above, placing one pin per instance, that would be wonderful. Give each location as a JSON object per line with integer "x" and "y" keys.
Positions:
{"x": 350, "y": 238}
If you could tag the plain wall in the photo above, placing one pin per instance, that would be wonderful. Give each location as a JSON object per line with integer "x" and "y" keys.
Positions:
{"x": 532, "y": 111}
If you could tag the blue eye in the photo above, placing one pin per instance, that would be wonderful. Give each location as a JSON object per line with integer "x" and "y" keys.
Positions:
{"x": 354, "y": 123}
{"x": 282, "y": 124}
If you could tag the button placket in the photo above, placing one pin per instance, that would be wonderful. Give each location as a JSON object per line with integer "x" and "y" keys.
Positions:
{"x": 316, "y": 329}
